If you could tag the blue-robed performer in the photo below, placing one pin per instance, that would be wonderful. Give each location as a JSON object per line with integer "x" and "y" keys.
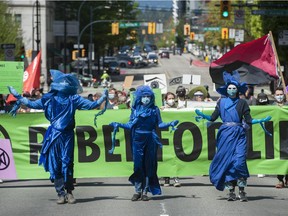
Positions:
{"x": 144, "y": 119}
{"x": 228, "y": 168}
{"x": 59, "y": 105}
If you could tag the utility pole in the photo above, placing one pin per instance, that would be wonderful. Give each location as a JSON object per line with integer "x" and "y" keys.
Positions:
{"x": 65, "y": 41}
{"x": 37, "y": 25}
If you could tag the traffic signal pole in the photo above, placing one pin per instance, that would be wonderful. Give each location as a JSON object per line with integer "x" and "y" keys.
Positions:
{"x": 82, "y": 31}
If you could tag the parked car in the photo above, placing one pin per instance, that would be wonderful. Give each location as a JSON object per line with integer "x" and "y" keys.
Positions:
{"x": 125, "y": 61}
{"x": 112, "y": 68}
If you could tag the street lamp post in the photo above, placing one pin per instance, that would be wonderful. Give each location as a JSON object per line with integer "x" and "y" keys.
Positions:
{"x": 89, "y": 24}
{"x": 78, "y": 18}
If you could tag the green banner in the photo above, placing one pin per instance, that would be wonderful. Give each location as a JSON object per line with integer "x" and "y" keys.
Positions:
{"x": 186, "y": 152}
{"x": 11, "y": 74}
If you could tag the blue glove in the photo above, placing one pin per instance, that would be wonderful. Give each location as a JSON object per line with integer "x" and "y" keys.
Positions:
{"x": 201, "y": 115}
{"x": 255, "y": 121}
{"x": 114, "y": 124}
{"x": 174, "y": 123}
{"x": 105, "y": 92}
{"x": 198, "y": 118}
{"x": 14, "y": 92}
{"x": 103, "y": 97}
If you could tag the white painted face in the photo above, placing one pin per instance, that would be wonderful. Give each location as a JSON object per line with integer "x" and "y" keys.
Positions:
{"x": 232, "y": 90}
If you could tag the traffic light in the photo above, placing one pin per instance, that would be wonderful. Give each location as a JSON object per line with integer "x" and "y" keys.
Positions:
{"x": 192, "y": 35}
{"x": 74, "y": 55}
{"x": 22, "y": 53}
{"x": 83, "y": 52}
{"x": 151, "y": 27}
{"x": 29, "y": 53}
{"x": 225, "y": 9}
{"x": 224, "y": 33}
{"x": 187, "y": 29}
{"x": 115, "y": 28}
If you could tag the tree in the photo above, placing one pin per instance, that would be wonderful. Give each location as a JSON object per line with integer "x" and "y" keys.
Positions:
{"x": 252, "y": 25}
{"x": 9, "y": 33}
{"x": 276, "y": 24}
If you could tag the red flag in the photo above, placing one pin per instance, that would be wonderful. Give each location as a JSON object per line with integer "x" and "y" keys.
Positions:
{"x": 255, "y": 61}
{"x": 31, "y": 77}
{"x": 10, "y": 99}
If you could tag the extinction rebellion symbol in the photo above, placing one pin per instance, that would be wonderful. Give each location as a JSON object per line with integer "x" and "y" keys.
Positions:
{"x": 4, "y": 160}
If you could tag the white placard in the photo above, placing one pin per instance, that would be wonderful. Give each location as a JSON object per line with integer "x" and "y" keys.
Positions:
{"x": 156, "y": 81}
{"x": 191, "y": 79}
{"x": 196, "y": 79}
{"x": 187, "y": 79}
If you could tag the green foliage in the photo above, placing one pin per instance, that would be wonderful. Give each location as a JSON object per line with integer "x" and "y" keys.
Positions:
{"x": 252, "y": 26}
{"x": 98, "y": 10}
{"x": 9, "y": 33}
{"x": 276, "y": 24}
{"x": 148, "y": 14}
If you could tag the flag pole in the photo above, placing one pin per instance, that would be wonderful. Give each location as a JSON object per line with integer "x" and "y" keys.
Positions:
{"x": 278, "y": 63}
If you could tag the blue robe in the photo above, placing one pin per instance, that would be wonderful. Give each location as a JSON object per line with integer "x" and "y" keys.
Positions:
{"x": 229, "y": 162}
{"x": 58, "y": 146}
{"x": 145, "y": 143}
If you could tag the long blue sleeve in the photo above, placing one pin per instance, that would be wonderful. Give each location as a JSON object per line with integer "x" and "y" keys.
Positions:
{"x": 37, "y": 104}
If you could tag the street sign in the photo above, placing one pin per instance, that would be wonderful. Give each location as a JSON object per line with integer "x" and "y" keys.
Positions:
{"x": 8, "y": 46}
{"x": 9, "y": 55}
{"x": 129, "y": 25}
{"x": 239, "y": 16}
{"x": 283, "y": 38}
{"x": 270, "y": 12}
{"x": 239, "y": 35}
{"x": 231, "y": 33}
{"x": 75, "y": 46}
{"x": 211, "y": 29}
{"x": 159, "y": 28}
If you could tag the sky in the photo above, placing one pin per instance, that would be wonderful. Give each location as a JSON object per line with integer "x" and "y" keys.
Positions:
{"x": 156, "y": 3}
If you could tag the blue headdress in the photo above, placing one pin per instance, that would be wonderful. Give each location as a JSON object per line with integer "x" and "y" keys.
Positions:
{"x": 234, "y": 79}
{"x": 143, "y": 90}
{"x": 65, "y": 83}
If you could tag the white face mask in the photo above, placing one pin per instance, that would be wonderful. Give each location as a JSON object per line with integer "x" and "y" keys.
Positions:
{"x": 232, "y": 90}
{"x": 111, "y": 96}
{"x": 171, "y": 102}
{"x": 279, "y": 98}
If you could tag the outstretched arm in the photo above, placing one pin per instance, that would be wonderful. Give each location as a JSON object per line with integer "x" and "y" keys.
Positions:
{"x": 256, "y": 121}
{"x": 85, "y": 104}
{"x": 37, "y": 104}
{"x": 128, "y": 125}
{"x": 164, "y": 124}
{"x": 201, "y": 115}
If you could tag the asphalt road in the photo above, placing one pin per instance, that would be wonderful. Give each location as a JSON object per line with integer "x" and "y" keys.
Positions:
{"x": 111, "y": 196}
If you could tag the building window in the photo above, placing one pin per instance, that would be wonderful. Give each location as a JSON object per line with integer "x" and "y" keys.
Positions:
{"x": 18, "y": 19}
